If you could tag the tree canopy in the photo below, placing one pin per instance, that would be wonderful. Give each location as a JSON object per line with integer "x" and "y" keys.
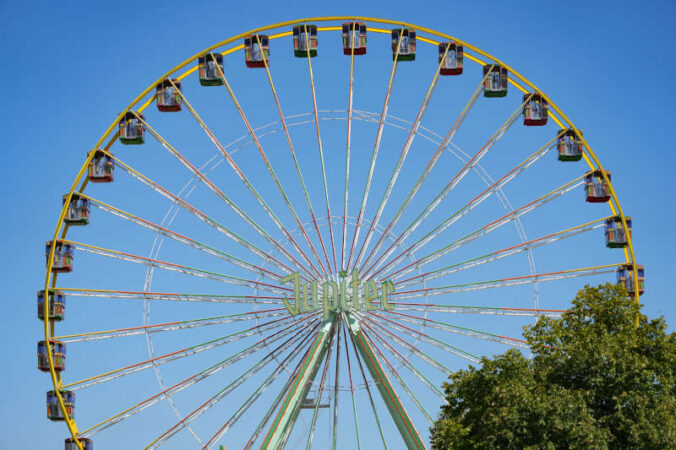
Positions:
{"x": 594, "y": 380}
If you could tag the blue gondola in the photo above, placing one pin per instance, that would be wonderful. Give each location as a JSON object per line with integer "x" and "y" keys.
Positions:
{"x": 58, "y": 356}
{"x": 63, "y": 256}
{"x": 625, "y": 277}
{"x": 596, "y": 189}
{"x": 615, "y": 235}
{"x": 54, "y": 411}
{"x": 87, "y": 444}
{"x": 57, "y": 305}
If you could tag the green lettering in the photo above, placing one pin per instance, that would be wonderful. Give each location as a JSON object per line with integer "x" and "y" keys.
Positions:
{"x": 386, "y": 288}
{"x": 295, "y": 277}
{"x": 370, "y": 294}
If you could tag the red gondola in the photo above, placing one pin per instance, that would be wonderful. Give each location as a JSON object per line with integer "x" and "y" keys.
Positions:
{"x": 354, "y": 38}
{"x": 452, "y": 64}
{"x": 535, "y": 110}
{"x": 101, "y": 168}
{"x": 256, "y": 50}
{"x": 168, "y": 95}
{"x": 63, "y": 256}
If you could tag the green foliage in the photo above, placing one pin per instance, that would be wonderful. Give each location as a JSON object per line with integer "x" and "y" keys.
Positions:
{"x": 595, "y": 380}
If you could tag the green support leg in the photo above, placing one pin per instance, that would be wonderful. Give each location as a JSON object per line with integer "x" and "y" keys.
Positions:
{"x": 286, "y": 417}
{"x": 397, "y": 411}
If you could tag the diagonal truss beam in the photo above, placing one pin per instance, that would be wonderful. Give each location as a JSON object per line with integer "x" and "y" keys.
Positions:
{"x": 288, "y": 413}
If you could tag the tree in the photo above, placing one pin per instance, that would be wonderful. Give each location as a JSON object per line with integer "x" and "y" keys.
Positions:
{"x": 594, "y": 380}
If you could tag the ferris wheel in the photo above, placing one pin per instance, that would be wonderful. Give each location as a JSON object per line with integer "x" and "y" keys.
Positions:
{"x": 290, "y": 241}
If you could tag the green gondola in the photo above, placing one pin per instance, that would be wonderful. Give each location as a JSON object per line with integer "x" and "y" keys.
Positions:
{"x": 406, "y": 44}
{"x": 304, "y": 38}
{"x": 209, "y": 74}
{"x": 131, "y": 129}
{"x": 569, "y": 146}
{"x": 495, "y": 84}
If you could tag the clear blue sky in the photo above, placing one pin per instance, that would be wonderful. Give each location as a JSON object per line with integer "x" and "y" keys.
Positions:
{"x": 69, "y": 67}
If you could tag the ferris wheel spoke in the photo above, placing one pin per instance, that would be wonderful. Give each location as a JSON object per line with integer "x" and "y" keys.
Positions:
{"x": 513, "y": 281}
{"x": 499, "y": 254}
{"x": 246, "y": 375}
{"x": 485, "y": 310}
{"x": 205, "y": 218}
{"x": 282, "y": 393}
{"x": 428, "y": 169}
{"x": 427, "y": 338}
{"x": 350, "y": 99}
{"x": 173, "y": 296}
{"x": 367, "y": 322}
{"x": 171, "y": 326}
{"x": 320, "y": 392}
{"x": 252, "y": 223}
{"x": 374, "y": 155}
{"x": 321, "y": 152}
{"x": 181, "y": 238}
{"x": 397, "y": 170}
{"x": 294, "y": 157}
{"x": 443, "y": 326}
{"x": 181, "y": 385}
{"x": 368, "y": 389}
{"x": 459, "y": 177}
{"x": 189, "y": 351}
{"x": 349, "y": 372}
{"x": 510, "y": 216}
{"x": 240, "y": 172}
{"x": 257, "y": 392}
{"x": 400, "y": 380}
{"x": 178, "y": 268}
